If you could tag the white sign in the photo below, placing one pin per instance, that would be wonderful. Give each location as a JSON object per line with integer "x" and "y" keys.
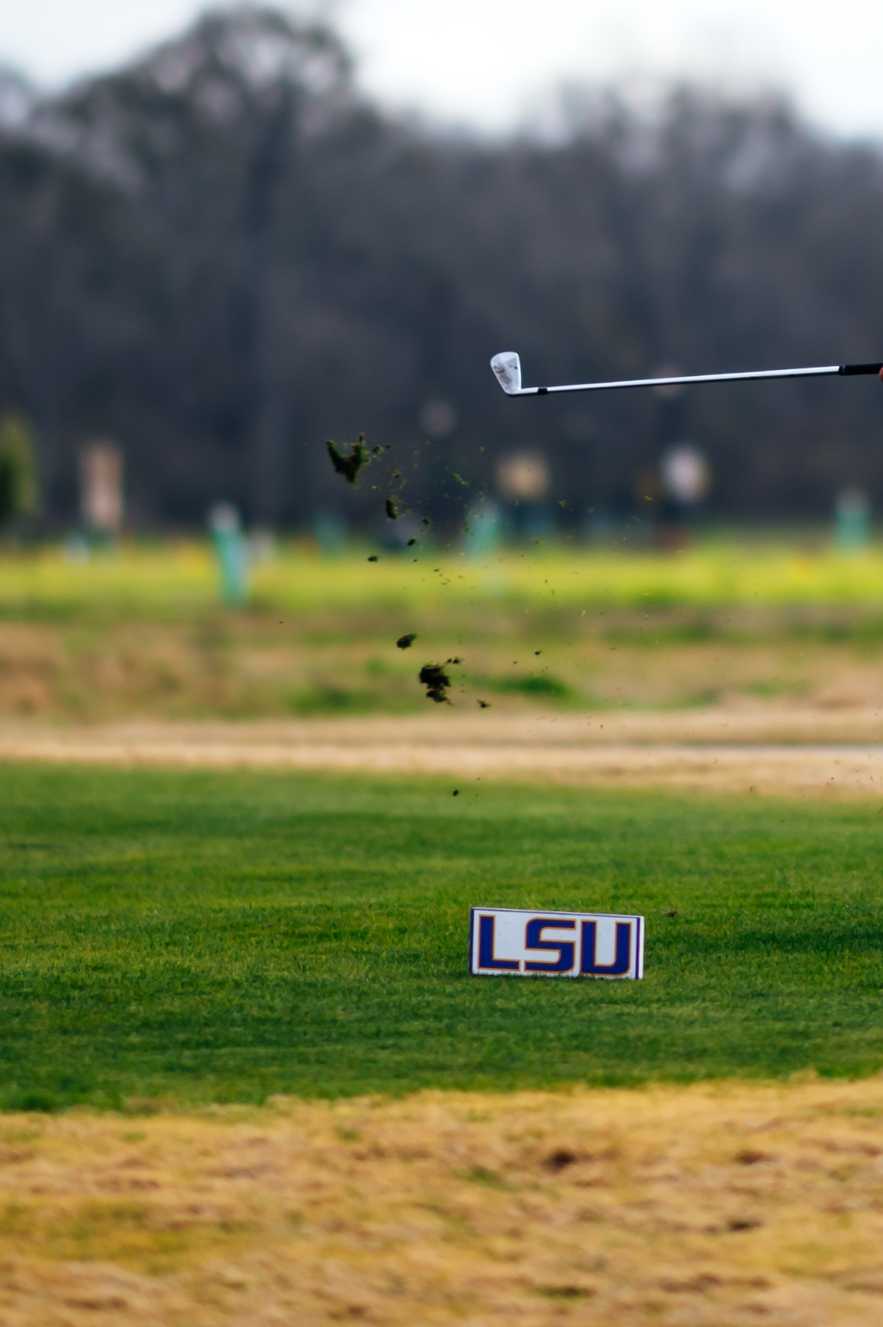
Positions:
{"x": 520, "y": 942}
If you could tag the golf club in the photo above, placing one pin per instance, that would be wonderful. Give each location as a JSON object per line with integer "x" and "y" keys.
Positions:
{"x": 507, "y": 369}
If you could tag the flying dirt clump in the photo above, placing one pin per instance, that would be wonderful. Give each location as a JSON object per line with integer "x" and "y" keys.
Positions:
{"x": 360, "y": 455}
{"x": 405, "y": 642}
{"x": 436, "y": 681}
{"x": 349, "y": 466}
{"x": 392, "y": 509}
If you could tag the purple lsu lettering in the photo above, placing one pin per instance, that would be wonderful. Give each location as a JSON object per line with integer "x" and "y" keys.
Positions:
{"x": 566, "y": 959}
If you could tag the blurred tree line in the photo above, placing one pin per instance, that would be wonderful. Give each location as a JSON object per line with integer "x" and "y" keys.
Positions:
{"x": 221, "y": 255}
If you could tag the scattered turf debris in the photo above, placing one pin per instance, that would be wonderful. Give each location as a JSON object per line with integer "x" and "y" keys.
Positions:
{"x": 392, "y": 508}
{"x": 359, "y": 456}
{"x": 436, "y": 681}
{"x": 374, "y": 558}
{"x": 405, "y": 642}
{"x": 560, "y": 1159}
{"x": 455, "y": 660}
{"x": 537, "y": 653}
{"x": 484, "y": 704}
{"x": 464, "y": 483}
{"x": 424, "y": 520}
{"x": 456, "y": 792}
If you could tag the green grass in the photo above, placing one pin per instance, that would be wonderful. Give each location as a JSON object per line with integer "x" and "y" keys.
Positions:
{"x": 193, "y": 937}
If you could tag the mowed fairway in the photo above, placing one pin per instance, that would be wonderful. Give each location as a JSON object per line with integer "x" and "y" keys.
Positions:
{"x": 185, "y": 937}
{"x": 174, "y": 940}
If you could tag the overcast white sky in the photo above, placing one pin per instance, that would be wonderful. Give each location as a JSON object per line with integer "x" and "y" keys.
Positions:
{"x": 486, "y": 61}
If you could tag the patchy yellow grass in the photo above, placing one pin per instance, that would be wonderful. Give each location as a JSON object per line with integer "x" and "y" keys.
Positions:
{"x": 709, "y": 1205}
{"x": 181, "y": 577}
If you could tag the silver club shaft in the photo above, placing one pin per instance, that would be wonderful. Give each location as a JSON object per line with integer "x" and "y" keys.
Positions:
{"x": 817, "y": 372}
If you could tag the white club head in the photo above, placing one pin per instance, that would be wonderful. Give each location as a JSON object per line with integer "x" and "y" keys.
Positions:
{"x": 507, "y": 367}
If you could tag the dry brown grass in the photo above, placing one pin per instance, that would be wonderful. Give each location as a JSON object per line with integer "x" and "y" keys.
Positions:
{"x": 763, "y": 749}
{"x": 706, "y": 1205}
{"x": 260, "y": 666}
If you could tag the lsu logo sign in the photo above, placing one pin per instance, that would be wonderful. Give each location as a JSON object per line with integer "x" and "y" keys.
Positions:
{"x": 515, "y": 942}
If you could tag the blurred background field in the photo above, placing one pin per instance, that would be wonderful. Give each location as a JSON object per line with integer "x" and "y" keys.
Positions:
{"x": 174, "y": 580}
{"x": 226, "y": 249}
{"x": 142, "y": 630}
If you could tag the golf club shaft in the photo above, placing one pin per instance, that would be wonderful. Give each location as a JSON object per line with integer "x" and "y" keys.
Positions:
{"x": 818, "y": 372}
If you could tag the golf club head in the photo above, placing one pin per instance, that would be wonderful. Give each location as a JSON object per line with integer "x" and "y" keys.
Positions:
{"x": 507, "y": 369}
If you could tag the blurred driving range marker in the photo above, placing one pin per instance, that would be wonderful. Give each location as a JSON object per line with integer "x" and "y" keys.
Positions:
{"x": 521, "y": 942}
{"x": 231, "y": 552}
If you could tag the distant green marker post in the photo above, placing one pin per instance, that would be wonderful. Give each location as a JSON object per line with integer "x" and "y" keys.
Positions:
{"x": 853, "y": 521}
{"x": 231, "y": 551}
{"x": 483, "y": 531}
